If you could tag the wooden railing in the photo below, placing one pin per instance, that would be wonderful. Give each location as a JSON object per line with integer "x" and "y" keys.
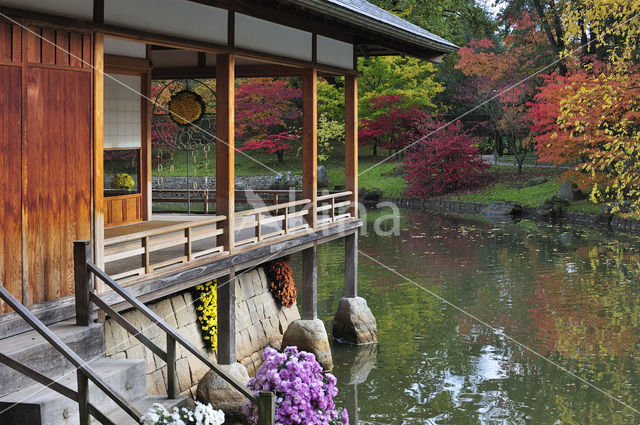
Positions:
{"x": 85, "y": 373}
{"x": 260, "y": 220}
{"x": 333, "y": 203}
{"x": 146, "y": 251}
{"x": 143, "y": 244}
{"x": 85, "y": 297}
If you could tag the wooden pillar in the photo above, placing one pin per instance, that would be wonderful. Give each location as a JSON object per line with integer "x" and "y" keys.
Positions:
{"x": 225, "y": 159}
{"x": 310, "y": 143}
{"x": 351, "y": 265}
{"x": 310, "y": 283}
{"x": 145, "y": 153}
{"x": 227, "y": 318}
{"x": 98, "y": 156}
{"x": 351, "y": 141}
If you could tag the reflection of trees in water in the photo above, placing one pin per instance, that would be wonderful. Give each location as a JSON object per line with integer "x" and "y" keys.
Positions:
{"x": 568, "y": 293}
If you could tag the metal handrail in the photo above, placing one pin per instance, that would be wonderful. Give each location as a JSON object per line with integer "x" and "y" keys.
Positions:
{"x": 84, "y": 371}
{"x": 84, "y": 297}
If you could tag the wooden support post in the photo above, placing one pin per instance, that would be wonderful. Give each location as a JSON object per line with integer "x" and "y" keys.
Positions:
{"x": 225, "y": 158}
{"x": 83, "y": 398}
{"x": 98, "y": 156}
{"x": 82, "y": 253}
{"x": 351, "y": 265}
{"x": 172, "y": 378}
{"x": 310, "y": 143}
{"x": 310, "y": 283}
{"x": 206, "y": 201}
{"x": 351, "y": 141}
{"x": 266, "y": 408}
{"x": 146, "y": 260}
{"x": 227, "y": 318}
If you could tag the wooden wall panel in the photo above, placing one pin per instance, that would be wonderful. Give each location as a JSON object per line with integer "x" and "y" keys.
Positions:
{"x": 62, "y": 49}
{"x": 58, "y": 177}
{"x": 10, "y": 165}
{"x": 34, "y": 45}
{"x": 10, "y": 43}
{"x": 5, "y": 42}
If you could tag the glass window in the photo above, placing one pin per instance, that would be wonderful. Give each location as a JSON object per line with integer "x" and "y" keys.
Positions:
{"x": 121, "y": 172}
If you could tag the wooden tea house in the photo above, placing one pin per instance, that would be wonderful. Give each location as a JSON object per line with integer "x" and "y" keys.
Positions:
{"x": 76, "y": 253}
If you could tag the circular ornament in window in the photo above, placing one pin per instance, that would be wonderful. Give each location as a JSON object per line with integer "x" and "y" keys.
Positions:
{"x": 186, "y": 107}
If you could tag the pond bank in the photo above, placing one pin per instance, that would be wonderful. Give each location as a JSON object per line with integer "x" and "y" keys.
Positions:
{"x": 611, "y": 221}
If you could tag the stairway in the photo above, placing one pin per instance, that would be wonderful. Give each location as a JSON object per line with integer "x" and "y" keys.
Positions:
{"x": 25, "y": 402}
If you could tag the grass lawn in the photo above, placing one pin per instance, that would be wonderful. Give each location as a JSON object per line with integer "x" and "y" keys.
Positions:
{"x": 501, "y": 183}
{"x": 504, "y": 182}
{"x": 381, "y": 176}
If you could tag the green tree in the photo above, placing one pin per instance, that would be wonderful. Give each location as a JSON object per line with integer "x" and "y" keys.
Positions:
{"x": 411, "y": 78}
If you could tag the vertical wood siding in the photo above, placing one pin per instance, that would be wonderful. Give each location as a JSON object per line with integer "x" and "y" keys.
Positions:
{"x": 45, "y": 159}
{"x": 58, "y": 180}
{"x": 10, "y": 164}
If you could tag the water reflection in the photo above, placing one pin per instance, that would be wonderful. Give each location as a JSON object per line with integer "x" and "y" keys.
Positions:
{"x": 352, "y": 367}
{"x": 569, "y": 293}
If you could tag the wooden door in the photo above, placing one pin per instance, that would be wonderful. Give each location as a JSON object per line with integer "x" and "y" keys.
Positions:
{"x": 57, "y": 186}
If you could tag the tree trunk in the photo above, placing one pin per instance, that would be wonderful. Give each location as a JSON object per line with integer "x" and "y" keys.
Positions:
{"x": 280, "y": 155}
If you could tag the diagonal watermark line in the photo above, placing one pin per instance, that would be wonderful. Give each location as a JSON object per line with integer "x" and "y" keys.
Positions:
{"x": 497, "y": 331}
{"x": 103, "y": 354}
{"x": 135, "y": 91}
{"x": 511, "y": 87}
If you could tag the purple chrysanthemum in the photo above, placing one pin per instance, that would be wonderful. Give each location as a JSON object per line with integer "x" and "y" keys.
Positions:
{"x": 304, "y": 395}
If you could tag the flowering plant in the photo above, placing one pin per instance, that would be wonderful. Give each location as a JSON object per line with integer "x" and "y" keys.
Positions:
{"x": 122, "y": 181}
{"x": 304, "y": 395}
{"x": 207, "y": 308}
{"x": 201, "y": 415}
{"x": 281, "y": 283}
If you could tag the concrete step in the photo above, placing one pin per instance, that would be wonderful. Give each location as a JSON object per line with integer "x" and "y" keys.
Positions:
{"x": 38, "y": 405}
{"x": 143, "y": 404}
{"x": 34, "y": 351}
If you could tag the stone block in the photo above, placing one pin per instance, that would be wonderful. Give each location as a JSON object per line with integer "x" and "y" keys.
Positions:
{"x": 243, "y": 318}
{"x": 354, "y": 323}
{"x": 184, "y": 313}
{"x": 137, "y": 352}
{"x": 184, "y": 374}
{"x": 269, "y": 305}
{"x": 164, "y": 309}
{"x": 156, "y": 383}
{"x": 197, "y": 368}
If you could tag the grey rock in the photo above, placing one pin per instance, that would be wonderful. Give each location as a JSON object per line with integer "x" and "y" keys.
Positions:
{"x": 570, "y": 192}
{"x": 310, "y": 336}
{"x": 354, "y": 323}
{"x": 215, "y": 390}
{"x": 502, "y": 209}
{"x": 551, "y": 208}
{"x": 323, "y": 177}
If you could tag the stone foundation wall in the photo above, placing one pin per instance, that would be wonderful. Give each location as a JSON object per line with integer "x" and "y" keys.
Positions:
{"x": 260, "y": 322}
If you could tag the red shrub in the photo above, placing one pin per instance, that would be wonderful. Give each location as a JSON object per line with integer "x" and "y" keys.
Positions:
{"x": 446, "y": 161}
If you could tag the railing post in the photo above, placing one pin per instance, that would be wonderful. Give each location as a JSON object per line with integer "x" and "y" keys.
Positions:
{"x": 83, "y": 398}
{"x": 266, "y": 408}
{"x": 206, "y": 201}
{"x": 81, "y": 254}
{"x": 172, "y": 389}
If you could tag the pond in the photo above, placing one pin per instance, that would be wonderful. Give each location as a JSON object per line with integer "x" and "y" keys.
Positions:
{"x": 569, "y": 294}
